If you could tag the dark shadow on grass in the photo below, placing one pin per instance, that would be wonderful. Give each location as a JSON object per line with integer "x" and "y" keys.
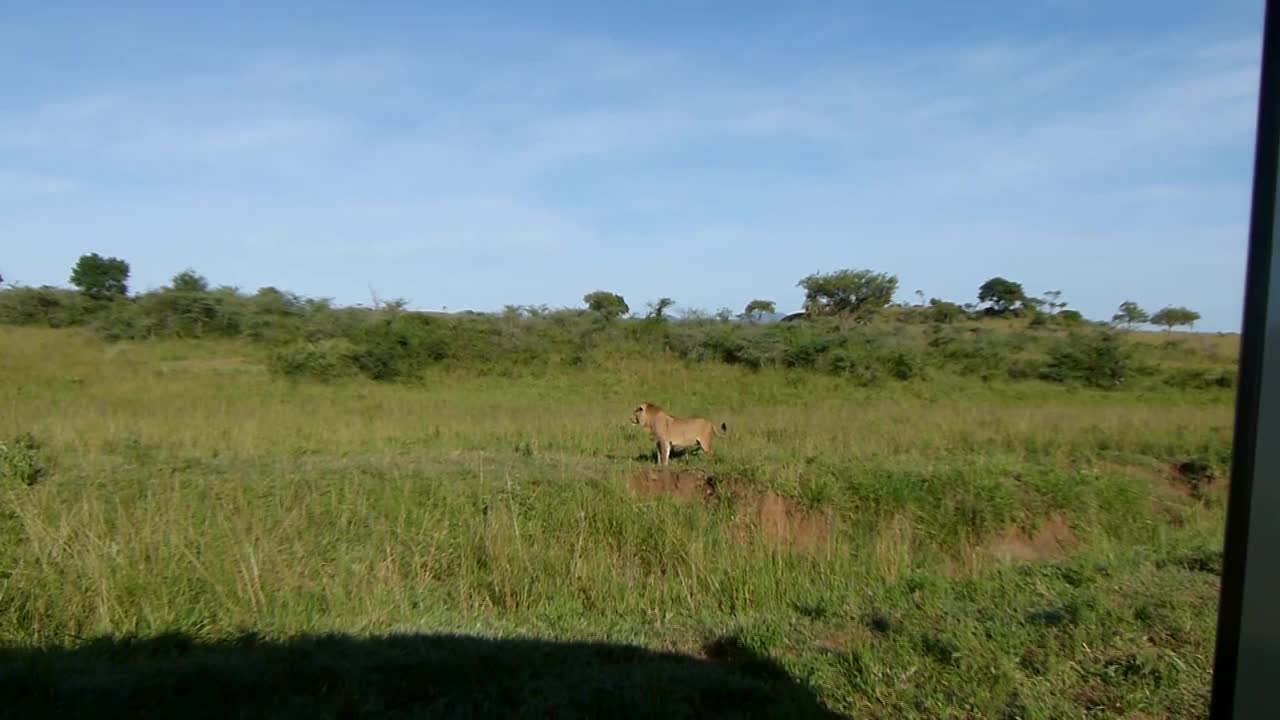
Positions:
{"x": 177, "y": 676}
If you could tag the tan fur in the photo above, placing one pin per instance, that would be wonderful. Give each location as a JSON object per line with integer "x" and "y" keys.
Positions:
{"x": 672, "y": 433}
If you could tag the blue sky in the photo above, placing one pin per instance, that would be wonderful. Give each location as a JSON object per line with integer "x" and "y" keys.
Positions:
{"x": 713, "y": 152}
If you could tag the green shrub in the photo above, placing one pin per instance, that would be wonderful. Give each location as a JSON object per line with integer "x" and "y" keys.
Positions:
{"x": 943, "y": 312}
{"x": 327, "y": 360}
{"x": 192, "y": 313}
{"x": 401, "y": 347}
{"x": 804, "y": 347}
{"x": 49, "y": 306}
{"x": 975, "y": 352}
{"x": 22, "y": 460}
{"x": 761, "y": 347}
{"x": 1096, "y": 359}
{"x": 1200, "y": 378}
{"x": 904, "y": 364}
{"x": 852, "y": 363}
{"x": 1070, "y": 317}
{"x": 125, "y": 320}
{"x": 1024, "y": 368}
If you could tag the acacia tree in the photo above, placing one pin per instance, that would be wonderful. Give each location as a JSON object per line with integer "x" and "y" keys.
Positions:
{"x": 101, "y": 277}
{"x": 1130, "y": 314}
{"x": 756, "y": 309}
{"x": 1171, "y": 317}
{"x": 609, "y": 305}
{"x": 1001, "y": 295}
{"x": 658, "y": 308}
{"x": 1052, "y": 300}
{"x": 847, "y": 294}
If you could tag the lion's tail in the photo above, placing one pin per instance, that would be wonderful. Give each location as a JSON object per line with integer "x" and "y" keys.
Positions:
{"x": 722, "y": 430}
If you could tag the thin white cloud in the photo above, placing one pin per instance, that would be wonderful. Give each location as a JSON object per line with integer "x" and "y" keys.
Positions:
{"x": 1174, "y": 117}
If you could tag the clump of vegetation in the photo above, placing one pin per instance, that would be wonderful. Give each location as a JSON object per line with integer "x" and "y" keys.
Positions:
{"x": 22, "y": 460}
{"x": 325, "y": 360}
{"x": 1200, "y": 378}
{"x": 47, "y": 306}
{"x": 1096, "y": 359}
{"x": 945, "y": 313}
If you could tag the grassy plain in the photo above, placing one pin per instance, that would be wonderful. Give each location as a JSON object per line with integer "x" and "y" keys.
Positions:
{"x": 211, "y": 538}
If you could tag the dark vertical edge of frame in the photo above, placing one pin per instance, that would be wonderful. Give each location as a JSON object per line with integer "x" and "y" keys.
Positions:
{"x": 1257, "y": 293}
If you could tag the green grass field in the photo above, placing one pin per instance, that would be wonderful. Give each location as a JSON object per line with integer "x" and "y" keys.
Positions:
{"x": 210, "y": 540}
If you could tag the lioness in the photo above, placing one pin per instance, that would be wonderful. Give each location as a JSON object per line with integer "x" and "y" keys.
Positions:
{"x": 675, "y": 433}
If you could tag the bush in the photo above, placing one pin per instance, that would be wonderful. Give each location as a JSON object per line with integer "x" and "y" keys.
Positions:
{"x": 712, "y": 341}
{"x": 723, "y": 344}
{"x": 761, "y": 348}
{"x": 1094, "y": 359}
{"x": 1070, "y": 317}
{"x": 1062, "y": 318}
{"x": 49, "y": 306}
{"x": 945, "y": 313}
{"x": 401, "y": 347}
{"x": 1024, "y": 369}
{"x": 124, "y": 320}
{"x": 904, "y": 364}
{"x": 1200, "y": 378}
{"x": 804, "y": 347}
{"x": 192, "y": 314}
{"x": 22, "y": 460}
{"x": 326, "y": 360}
{"x": 849, "y": 362}
{"x": 976, "y": 352}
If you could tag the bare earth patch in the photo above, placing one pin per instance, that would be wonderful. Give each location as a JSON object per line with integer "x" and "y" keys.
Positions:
{"x": 679, "y": 484}
{"x": 778, "y": 520}
{"x": 1054, "y": 539}
{"x": 782, "y": 522}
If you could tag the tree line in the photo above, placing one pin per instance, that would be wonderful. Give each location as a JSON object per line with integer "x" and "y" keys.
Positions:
{"x": 850, "y": 328}
{"x": 851, "y": 296}
{"x": 854, "y": 295}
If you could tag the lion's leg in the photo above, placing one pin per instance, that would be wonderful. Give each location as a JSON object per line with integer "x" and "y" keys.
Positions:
{"x": 664, "y": 452}
{"x": 705, "y": 444}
